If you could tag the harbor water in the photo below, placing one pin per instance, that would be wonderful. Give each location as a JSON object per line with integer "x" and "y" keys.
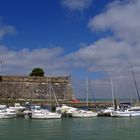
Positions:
{"x": 97, "y": 128}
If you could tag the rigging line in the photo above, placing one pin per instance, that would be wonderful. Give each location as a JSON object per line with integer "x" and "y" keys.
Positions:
{"x": 134, "y": 81}
{"x": 87, "y": 89}
{"x": 54, "y": 95}
{"x": 92, "y": 93}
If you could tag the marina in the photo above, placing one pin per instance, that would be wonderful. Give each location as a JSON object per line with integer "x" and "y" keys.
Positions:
{"x": 70, "y": 70}
{"x": 58, "y": 115}
{"x": 39, "y": 127}
{"x": 69, "y": 109}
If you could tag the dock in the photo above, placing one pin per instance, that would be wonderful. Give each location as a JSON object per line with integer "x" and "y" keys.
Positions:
{"x": 52, "y": 103}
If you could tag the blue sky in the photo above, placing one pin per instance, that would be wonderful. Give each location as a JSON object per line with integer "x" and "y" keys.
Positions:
{"x": 40, "y": 23}
{"x": 71, "y": 37}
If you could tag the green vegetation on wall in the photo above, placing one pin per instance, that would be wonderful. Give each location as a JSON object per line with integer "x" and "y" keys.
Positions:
{"x": 37, "y": 72}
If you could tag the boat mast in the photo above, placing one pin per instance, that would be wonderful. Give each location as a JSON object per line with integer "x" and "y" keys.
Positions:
{"x": 87, "y": 90}
{"x": 134, "y": 81}
{"x": 112, "y": 92}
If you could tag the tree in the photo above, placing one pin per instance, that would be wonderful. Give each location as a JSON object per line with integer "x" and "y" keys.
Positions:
{"x": 37, "y": 72}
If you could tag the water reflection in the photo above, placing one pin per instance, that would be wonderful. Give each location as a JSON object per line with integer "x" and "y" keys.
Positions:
{"x": 70, "y": 129}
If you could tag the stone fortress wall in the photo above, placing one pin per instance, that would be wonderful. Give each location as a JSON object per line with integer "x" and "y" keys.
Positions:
{"x": 26, "y": 87}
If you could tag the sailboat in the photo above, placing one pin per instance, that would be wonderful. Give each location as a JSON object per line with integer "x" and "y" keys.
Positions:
{"x": 84, "y": 113}
{"x": 131, "y": 111}
{"x": 44, "y": 114}
{"x": 40, "y": 113}
{"x": 108, "y": 110}
{"x": 66, "y": 110}
{"x": 6, "y": 113}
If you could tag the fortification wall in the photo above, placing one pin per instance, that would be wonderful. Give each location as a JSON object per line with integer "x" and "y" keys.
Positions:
{"x": 26, "y": 87}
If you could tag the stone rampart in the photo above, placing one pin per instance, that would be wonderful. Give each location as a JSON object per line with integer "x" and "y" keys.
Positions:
{"x": 26, "y": 87}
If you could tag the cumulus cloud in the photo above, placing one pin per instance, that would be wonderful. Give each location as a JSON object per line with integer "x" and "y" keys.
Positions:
{"x": 111, "y": 54}
{"x": 122, "y": 19}
{"x": 77, "y": 5}
{"x": 23, "y": 61}
{"x": 6, "y": 29}
{"x": 106, "y": 55}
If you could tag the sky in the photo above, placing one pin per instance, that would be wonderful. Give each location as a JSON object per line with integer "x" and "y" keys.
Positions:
{"x": 73, "y": 37}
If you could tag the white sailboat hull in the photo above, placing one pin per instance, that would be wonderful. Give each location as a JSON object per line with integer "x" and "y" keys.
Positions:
{"x": 125, "y": 114}
{"x": 45, "y": 115}
{"x": 7, "y": 115}
{"x": 83, "y": 114}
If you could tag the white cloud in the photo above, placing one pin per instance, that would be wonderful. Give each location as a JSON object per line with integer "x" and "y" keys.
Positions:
{"x": 6, "y": 29}
{"x": 77, "y": 5}
{"x": 106, "y": 55}
{"x": 23, "y": 61}
{"x": 123, "y": 19}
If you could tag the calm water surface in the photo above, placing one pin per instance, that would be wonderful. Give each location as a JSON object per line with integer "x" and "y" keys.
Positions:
{"x": 101, "y": 128}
